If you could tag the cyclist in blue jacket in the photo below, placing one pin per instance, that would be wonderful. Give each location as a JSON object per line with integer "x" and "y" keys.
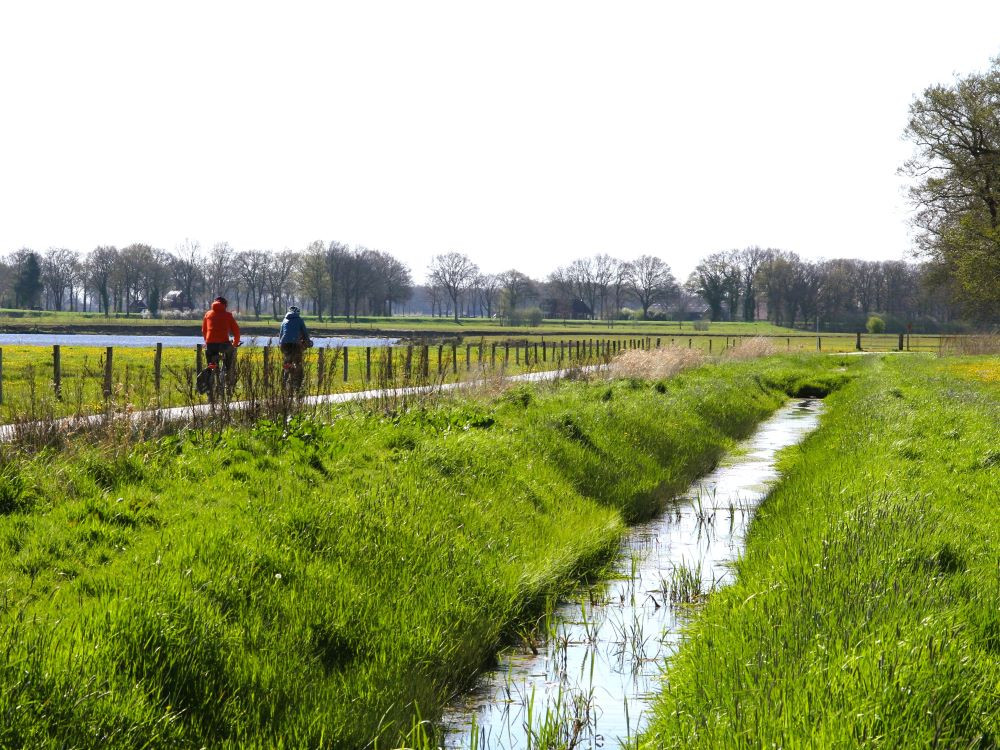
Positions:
{"x": 294, "y": 340}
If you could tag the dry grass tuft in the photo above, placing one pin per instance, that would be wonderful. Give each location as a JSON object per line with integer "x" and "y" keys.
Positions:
{"x": 653, "y": 364}
{"x": 970, "y": 345}
{"x": 753, "y": 348}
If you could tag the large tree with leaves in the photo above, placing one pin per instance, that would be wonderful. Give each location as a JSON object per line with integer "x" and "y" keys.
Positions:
{"x": 956, "y": 133}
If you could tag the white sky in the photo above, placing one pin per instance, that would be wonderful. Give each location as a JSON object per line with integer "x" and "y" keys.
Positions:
{"x": 523, "y": 133}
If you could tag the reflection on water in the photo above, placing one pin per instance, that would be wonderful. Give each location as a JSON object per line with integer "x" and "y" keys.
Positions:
{"x": 591, "y": 681}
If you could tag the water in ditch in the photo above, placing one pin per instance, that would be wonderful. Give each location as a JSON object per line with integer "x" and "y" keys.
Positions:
{"x": 588, "y": 681}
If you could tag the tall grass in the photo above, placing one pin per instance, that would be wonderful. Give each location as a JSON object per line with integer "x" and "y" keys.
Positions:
{"x": 867, "y": 607}
{"x": 970, "y": 345}
{"x": 29, "y": 391}
{"x": 327, "y": 582}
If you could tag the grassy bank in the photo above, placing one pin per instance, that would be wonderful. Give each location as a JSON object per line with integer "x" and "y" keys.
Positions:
{"x": 326, "y": 583}
{"x": 867, "y": 607}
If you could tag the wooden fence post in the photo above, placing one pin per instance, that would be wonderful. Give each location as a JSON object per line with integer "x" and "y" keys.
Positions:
{"x": 517, "y": 354}
{"x": 454, "y": 359}
{"x": 408, "y": 365}
{"x": 157, "y": 363}
{"x": 493, "y": 356}
{"x": 388, "y": 363}
{"x": 109, "y": 355}
{"x": 345, "y": 364}
{"x": 440, "y": 349}
{"x": 710, "y": 346}
{"x": 267, "y": 366}
{"x": 368, "y": 364}
{"x": 536, "y": 352}
{"x": 506, "y": 353}
{"x": 900, "y": 342}
{"x": 57, "y": 370}
{"x": 819, "y": 344}
{"x": 425, "y": 361}
{"x": 857, "y": 342}
{"x": 545, "y": 347}
{"x": 468, "y": 357}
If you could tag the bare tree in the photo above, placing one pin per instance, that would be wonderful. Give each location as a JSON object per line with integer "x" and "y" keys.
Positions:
{"x": 219, "y": 269}
{"x": 487, "y": 287}
{"x": 278, "y": 277}
{"x": 6, "y": 283}
{"x": 394, "y": 283}
{"x": 561, "y": 293}
{"x": 776, "y": 280}
{"x": 339, "y": 274}
{"x": 606, "y": 268}
{"x": 454, "y": 273}
{"x": 748, "y": 261}
{"x": 58, "y": 269}
{"x": 581, "y": 273}
{"x": 312, "y": 275}
{"x": 251, "y": 268}
{"x": 186, "y": 270}
{"x": 651, "y": 281}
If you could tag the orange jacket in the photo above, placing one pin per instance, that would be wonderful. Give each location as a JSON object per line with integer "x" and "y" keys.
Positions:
{"x": 217, "y": 324}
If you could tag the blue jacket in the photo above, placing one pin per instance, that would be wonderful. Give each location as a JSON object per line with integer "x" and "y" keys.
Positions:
{"x": 293, "y": 329}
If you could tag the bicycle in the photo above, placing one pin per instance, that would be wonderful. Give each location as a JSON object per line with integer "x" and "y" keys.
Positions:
{"x": 221, "y": 383}
{"x": 292, "y": 371}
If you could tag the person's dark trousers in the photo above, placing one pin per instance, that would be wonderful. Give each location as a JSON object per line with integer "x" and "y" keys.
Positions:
{"x": 292, "y": 355}
{"x": 228, "y": 353}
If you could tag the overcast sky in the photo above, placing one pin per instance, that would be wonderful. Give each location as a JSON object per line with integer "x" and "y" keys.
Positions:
{"x": 524, "y": 134}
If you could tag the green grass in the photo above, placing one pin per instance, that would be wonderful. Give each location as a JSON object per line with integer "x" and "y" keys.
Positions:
{"x": 867, "y": 607}
{"x": 14, "y": 319}
{"x": 28, "y": 372}
{"x": 326, "y": 583}
{"x": 29, "y": 386}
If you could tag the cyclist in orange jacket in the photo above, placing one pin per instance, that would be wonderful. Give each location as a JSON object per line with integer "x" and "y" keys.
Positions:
{"x": 216, "y": 327}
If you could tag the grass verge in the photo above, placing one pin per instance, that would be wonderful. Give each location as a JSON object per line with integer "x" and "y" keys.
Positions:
{"x": 867, "y": 607}
{"x": 330, "y": 583}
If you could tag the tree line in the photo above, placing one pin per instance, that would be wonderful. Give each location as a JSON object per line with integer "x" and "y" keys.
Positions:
{"x": 139, "y": 279}
{"x": 336, "y": 280}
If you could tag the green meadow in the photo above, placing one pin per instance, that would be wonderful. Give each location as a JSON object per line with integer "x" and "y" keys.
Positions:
{"x": 331, "y": 581}
{"x": 866, "y": 612}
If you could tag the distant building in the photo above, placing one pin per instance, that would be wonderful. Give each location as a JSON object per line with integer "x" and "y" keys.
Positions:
{"x": 576, "y": 309}
{"x": 175, "y": 300}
